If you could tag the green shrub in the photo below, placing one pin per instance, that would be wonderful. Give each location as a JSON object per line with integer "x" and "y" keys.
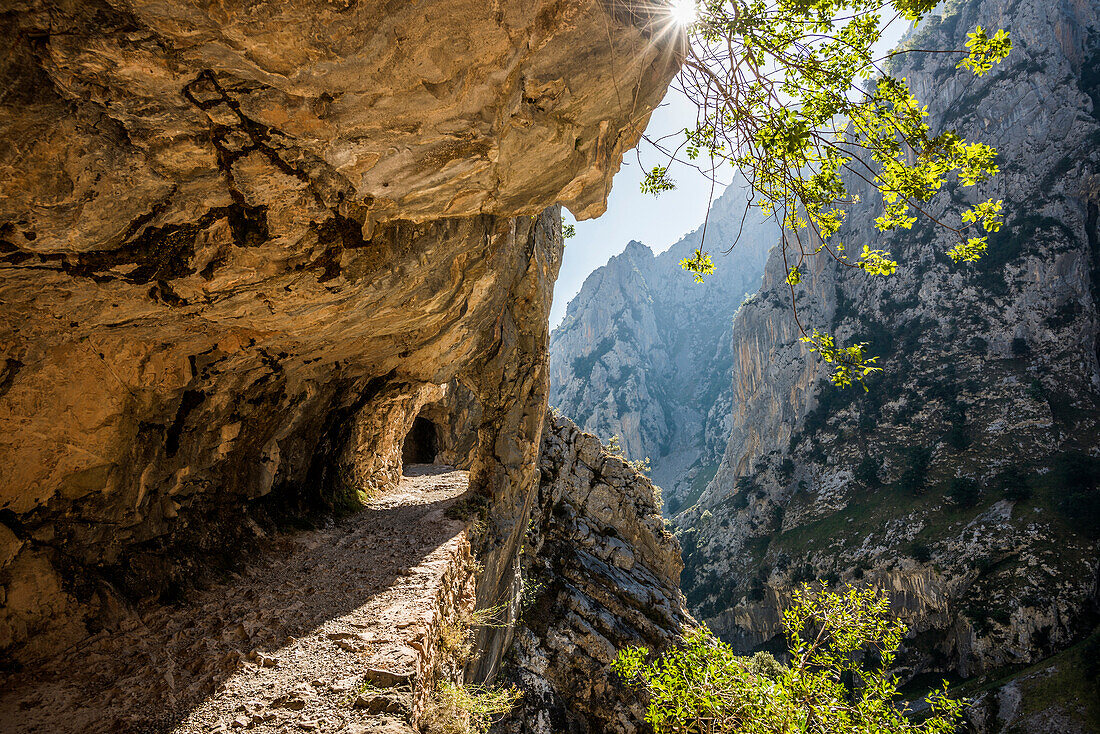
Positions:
{"x": 1061, "y": 407}
{"x": 956, "y": 437}
{"x": 983, "y": 616}
{"x": 466, "y": 709}
{"x": 867, "y": 473}
{"x": 915, "y": 474}
{"x": 1010, "y": 242}
{"x": 765, "y": 664}
{"x": 920, "y": 552}
{"x": 842, "y": 645}
{"x": 743, "y": 491}
{"x": 777, "y": 512}
{"x": 964, "y": 492}
{"x": 1077, "y": 476}
{"x": 746, "y": 485}
{"x": 1013, "y": 484}
{"x": 1090, "y": 656}
{"x": 1065, "y": 315}
{"x": 582, "y": 366}
{"x": 1035, "y": 390}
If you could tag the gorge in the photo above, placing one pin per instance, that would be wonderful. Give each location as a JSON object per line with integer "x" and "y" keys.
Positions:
{"x": 287, "y": 444}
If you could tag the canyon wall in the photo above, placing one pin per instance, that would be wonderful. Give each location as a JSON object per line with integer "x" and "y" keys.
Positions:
{"x": 242, "y": 245}
{"x": 964, "y": 481}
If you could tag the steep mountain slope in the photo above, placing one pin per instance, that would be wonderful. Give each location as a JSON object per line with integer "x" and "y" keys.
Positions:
{"x": 644, "y": 352}
{"x": 965, "y": 480}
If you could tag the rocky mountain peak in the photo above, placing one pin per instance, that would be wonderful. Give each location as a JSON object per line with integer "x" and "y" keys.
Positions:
{"x": 637, "y": 252}
{"x": 643, "y": 350}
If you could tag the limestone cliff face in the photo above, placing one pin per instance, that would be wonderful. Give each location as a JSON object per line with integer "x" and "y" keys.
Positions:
{"x": 241, "y": 245}
{"x": 644, "y": 352}
{"x": 965, "y": 480}
{"x": 601, "y": 572}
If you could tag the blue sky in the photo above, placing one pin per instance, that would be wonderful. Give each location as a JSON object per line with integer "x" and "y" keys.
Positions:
{"x": 656, "y": 221}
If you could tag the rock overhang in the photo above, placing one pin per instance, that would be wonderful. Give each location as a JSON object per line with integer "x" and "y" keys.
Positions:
{"x": 451, "y": 108}
{"x": 227, "y": 232}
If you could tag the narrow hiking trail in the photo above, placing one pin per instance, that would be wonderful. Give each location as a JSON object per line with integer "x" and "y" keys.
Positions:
{"x": 285, "y": 644}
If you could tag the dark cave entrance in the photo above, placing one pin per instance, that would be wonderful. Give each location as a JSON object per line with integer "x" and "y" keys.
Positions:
{"x": 421, "y": 443}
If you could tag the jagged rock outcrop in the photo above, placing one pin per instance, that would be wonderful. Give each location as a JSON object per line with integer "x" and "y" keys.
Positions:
{"x": 965, "y": 481}
{"x": 241, "y": 244}
{"x": 645, "y": 353}
{"x": 601, "y": 572}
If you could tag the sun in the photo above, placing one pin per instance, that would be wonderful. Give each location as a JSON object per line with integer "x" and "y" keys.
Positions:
{"x": 682, "y": 12}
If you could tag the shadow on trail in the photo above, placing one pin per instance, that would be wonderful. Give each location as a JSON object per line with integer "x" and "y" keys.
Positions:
{"x": 164, "y": 660}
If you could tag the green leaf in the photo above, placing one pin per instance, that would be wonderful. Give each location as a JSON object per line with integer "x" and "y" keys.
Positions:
{"x": 848, "y": 634}
{"x": 791, "y": 93}
{"x": 657, "y": 181}
{"x": 699, "y": 264}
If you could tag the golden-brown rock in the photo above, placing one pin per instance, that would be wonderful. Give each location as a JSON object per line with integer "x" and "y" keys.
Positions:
{"x": 230, "y": 231}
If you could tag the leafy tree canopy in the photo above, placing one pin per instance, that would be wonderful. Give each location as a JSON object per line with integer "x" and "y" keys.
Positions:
{"x": 791, "y": 93}
{"x": 842, "y": 644}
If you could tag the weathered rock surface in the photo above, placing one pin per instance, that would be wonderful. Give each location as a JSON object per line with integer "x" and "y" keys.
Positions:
{"x": 1060, "y": 695}
{"x": 601, "y": 573}
{"x": 965, "y": 481}
{"x": 241, "y": 244}
{"x": 645, "y": 353}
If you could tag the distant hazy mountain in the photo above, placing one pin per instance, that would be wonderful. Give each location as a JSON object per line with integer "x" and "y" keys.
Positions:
{"x": 644, "y": 351}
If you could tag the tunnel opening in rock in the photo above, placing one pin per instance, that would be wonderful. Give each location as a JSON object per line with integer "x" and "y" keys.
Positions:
{"x": 421, "y": 443}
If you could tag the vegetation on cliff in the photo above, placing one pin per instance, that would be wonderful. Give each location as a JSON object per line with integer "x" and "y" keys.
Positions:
{"x": 838, "y": 680}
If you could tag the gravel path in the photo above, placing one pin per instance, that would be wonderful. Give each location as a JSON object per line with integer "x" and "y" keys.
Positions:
{"x": 282, "y": 646}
